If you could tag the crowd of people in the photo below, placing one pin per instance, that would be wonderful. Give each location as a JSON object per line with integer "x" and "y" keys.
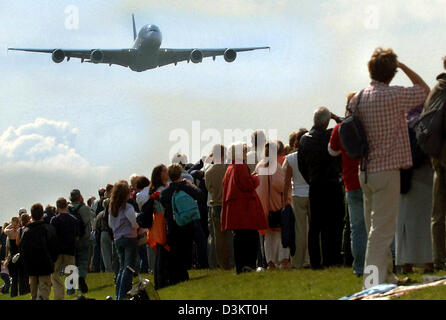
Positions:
{"x": 262, "y": 207}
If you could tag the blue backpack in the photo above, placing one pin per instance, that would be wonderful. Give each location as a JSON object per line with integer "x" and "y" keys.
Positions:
{"x": 185, "y": 208}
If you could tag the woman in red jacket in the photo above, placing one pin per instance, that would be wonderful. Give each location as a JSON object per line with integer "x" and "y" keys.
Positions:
{"x": 242, "y": 211}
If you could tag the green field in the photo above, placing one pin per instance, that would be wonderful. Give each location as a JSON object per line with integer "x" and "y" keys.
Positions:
{"x": 306, "y": 284}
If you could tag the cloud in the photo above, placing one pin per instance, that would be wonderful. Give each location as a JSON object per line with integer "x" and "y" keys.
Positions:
{"x": 39, "y": 162}
{"x": 43, "y": 145}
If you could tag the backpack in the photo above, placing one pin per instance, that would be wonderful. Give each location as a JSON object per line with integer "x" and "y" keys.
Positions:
{"x": 185, "y": 208}
{"x": 418, "y": 158}
{"x": 429, "y": 126}
{"x": 75, "y": 212}
{"x": 353, "y": 136}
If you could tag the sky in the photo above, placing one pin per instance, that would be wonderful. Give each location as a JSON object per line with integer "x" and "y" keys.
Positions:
{"x": 73, "y": 125}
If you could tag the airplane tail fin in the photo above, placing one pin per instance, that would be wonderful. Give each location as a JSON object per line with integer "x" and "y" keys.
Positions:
{"x": 134, "y": 27}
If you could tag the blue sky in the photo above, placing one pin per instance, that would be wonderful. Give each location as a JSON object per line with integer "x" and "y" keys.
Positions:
{"x": 115, "y": 122}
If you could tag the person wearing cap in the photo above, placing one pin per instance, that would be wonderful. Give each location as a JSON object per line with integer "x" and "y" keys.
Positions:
{"x": 82, "y": 253}
{"x": 22, "y": 211}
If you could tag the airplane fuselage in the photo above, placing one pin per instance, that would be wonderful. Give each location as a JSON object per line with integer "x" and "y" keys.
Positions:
{"x": 147, "y": 45}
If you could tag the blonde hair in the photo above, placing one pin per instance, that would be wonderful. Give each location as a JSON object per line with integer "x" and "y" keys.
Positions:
{"x": 133, "y": 178}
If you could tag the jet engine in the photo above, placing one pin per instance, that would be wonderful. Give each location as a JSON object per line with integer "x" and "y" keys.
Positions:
{"x": 96, "y": 56}
{"x": 58, "y": 56}
{"x": 196, "y": 56}
{"x": 230, "y": 55}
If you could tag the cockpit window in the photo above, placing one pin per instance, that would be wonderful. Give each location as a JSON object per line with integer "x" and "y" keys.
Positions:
{"x": 153, "y": 28}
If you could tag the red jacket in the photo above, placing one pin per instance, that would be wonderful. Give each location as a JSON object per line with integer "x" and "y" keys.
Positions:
{"x": 241, "y": 207}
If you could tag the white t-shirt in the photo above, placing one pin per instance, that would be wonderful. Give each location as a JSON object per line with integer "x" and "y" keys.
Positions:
{"x": 300, "y": 186}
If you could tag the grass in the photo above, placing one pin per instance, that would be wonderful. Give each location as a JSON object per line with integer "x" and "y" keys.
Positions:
{"x": 328, "y": 284}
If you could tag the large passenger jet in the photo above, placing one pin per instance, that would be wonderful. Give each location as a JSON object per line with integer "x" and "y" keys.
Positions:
{"x": 145, "y": 54}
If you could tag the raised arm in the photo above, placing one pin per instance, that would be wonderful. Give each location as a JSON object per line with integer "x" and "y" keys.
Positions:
{"x": 414, "y": 77}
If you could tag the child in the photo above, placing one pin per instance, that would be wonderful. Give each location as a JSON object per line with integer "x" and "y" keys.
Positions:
{"x": 5, "y": 277}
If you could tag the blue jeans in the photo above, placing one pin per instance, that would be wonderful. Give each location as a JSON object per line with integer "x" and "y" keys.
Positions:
{"x": 127, "y": 250}
{"x": 358, "y": 230}
{"x": 143, "y": 259}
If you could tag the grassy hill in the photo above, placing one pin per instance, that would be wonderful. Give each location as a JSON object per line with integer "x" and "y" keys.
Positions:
{"x": 306, "y": 284}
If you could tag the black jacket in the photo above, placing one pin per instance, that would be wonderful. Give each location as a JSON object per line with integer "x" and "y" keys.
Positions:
{"x": 439, "y": 88}
{"x": 166, "y": 201}
{"x": 288, "y": 231}
{"x": 67, "y": 231}
{"x": 39, "y": 248}
{"x": 315, "y": 163}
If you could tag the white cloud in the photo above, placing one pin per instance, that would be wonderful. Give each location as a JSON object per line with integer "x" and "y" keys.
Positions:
{"x": 43, "y": 144}
{"x": 39, "y": 162}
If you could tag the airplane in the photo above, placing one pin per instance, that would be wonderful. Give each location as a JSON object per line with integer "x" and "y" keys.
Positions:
{"x": 145, "y": 54}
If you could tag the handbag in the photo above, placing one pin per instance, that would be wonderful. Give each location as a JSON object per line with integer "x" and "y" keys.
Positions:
{"x": 274, "y": 217}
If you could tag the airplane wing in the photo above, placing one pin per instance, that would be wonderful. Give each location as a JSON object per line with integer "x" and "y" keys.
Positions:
{"x": 168, "y": 56}
{"x": 122, "y": 57}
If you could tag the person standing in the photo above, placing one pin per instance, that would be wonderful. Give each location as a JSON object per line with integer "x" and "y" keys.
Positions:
{"x": 179, "y": 236}
{"x": 97, "y": 206}
{"x": 12, "y": 234}
{"x": 122, "y": 221}
{"x": 350, "y": 175}
{"x": 141, "y": 196}
{"x": 108, "y": 249}
{"x": 214, "y": 183}
{"x": 67, "y": 231}
{"x": 322, "y": 172}
{"x": 439, "y": 183}
{"x": 22, "y": 276}
{"x": 242, "y": 212}
{"x": 413, "y": 241}
{"x": 300, "y": 200}
{"x": 38, "y": 249}
{"x": 381, "y": 110}
{"x": 270, "y": 191}
{"x": 157, "y": 238}
{"x": 81, "y": 211}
